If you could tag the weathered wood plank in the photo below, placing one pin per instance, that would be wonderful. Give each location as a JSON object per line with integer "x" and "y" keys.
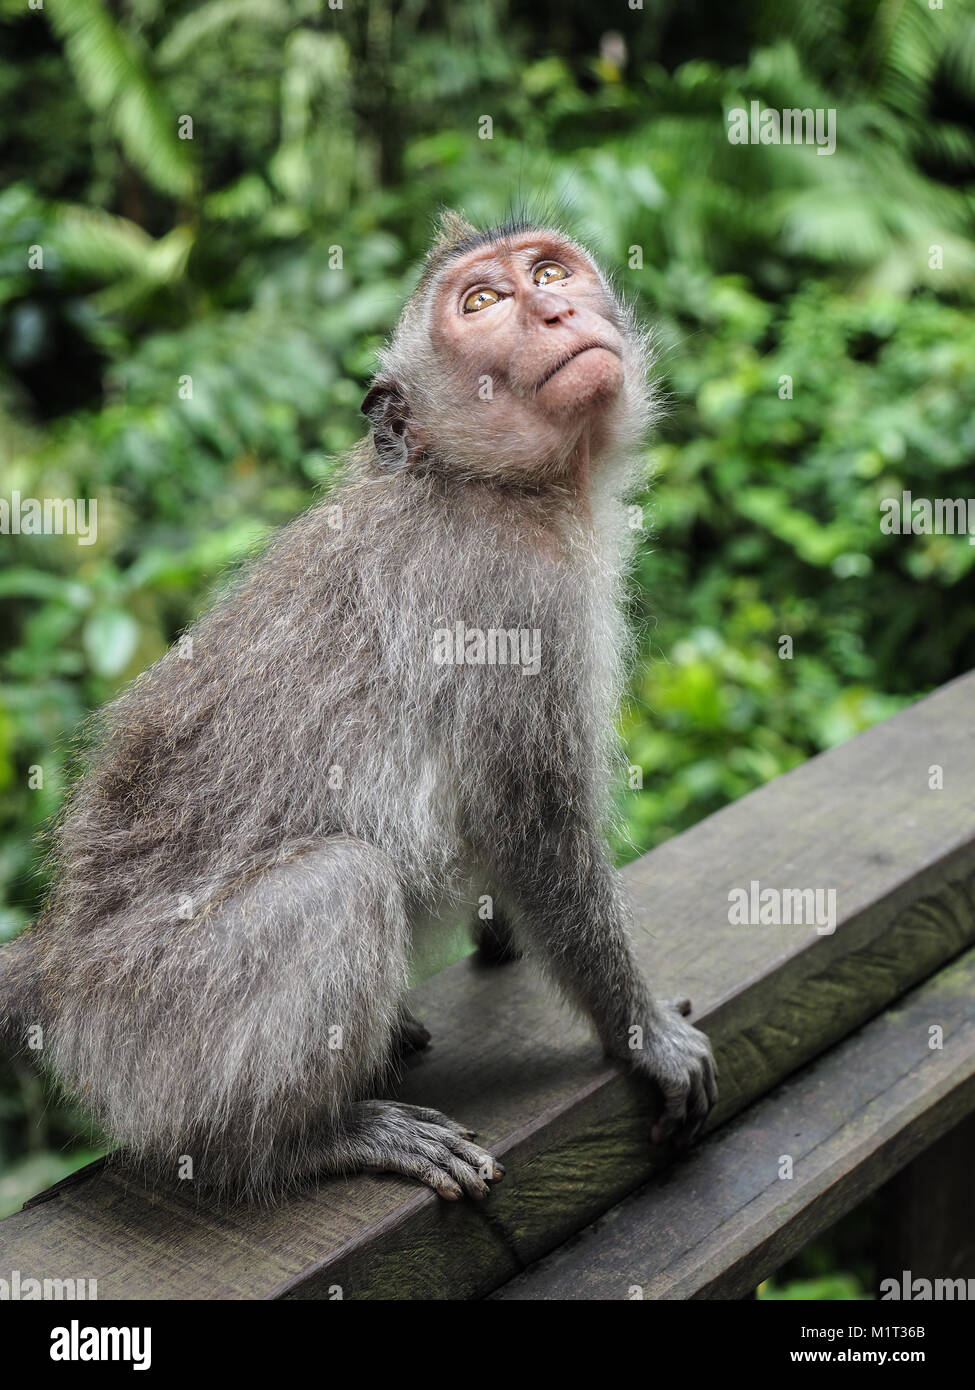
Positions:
{"x": 927, "y": 1212}
{"x": 511, "y": 1062}
{"x": 727, "y": 1218}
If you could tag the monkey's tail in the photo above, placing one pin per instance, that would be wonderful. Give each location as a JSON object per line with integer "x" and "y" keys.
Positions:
{"x": 19, "y": 990}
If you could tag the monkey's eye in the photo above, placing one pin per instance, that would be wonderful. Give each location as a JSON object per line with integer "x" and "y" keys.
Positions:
{"x": 480, "y": 299}
{"x": 549, "y": 272}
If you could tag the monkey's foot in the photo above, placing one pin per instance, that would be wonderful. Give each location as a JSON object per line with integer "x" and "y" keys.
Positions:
{"x": 495, "y": 943}
{"x": 410, "y": 1035}
{"x": 388, "y": 1137}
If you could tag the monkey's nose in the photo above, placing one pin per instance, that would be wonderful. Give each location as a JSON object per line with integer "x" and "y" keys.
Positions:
{"x": 551, "y": 308}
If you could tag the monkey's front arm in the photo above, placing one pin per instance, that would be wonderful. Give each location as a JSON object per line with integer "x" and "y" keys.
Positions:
{"x": 563, "y": 893}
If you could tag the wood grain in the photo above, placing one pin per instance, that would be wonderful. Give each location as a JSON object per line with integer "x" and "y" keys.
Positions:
{"x": 730, "y": 1215}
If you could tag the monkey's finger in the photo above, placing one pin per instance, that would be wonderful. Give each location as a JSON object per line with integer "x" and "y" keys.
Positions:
{"x": 419, "y": 1112}
{"x": 425, "y": 1170}
{"x": 445, "y": 1122}
{"x": 675, "y": 1110}
{"x": 428, "y": 1116}
{"x": 460, "y": 1130}
{"x": 467, "y": 1176}
{"x": 488, "y": 1167}
{"x": 709, "y": 1079}
{"x": 442, "y": 1183}
{"x": 697, "y": 1111}
{"x": 661, "y": 1131}
{"x": 711, "y": 1082}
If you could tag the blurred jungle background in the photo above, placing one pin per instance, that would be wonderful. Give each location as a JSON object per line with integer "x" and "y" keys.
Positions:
{"x": 214, "y": 258}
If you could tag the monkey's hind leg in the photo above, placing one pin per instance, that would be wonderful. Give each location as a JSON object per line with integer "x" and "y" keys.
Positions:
{"x": 328, "y": 993}
{"x": 348, "y": 899}
{"x": 256, "y": 1040}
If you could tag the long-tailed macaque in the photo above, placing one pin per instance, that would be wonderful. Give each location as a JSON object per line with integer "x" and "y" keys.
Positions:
{"x": 406, "y": 704}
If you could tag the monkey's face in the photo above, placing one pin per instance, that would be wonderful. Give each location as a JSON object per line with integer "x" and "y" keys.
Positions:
{"x": 518, "y": 359}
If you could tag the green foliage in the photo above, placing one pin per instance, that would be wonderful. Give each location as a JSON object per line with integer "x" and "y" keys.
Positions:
{"x": 113, "y": 77}
{"x": 261, "y": 262}
{"x": 828, "y": 1287}
{"x": 766, "y": 520}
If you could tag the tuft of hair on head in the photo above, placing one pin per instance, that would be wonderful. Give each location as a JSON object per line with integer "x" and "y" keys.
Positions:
{"x": 453, "y": 235}
{"x": 452, "y": 231}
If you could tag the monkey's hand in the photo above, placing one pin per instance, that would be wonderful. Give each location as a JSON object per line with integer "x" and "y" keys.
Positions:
{"x": 677, "y": 1058}
{"x": 409, "y": 1035}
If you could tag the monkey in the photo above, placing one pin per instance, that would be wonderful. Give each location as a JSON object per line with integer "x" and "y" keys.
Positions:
{"x": 403, "y": 706}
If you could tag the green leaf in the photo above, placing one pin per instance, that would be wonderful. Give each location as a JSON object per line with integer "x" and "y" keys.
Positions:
{"x": 96, "y": 243}
{"x": 27, "y": 583}
{"x": 114, "y": 80}
{"x": 110, "y": 638}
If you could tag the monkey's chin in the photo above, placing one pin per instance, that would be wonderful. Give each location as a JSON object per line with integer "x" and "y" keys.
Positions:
{"x": 593, "y": 379}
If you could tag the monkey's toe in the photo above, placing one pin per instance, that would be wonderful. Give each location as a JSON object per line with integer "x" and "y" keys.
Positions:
{"x": 433, "y": 1149}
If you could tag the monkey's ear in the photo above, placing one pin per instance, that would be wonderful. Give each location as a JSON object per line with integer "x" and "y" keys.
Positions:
{"x": 387, "y": 408}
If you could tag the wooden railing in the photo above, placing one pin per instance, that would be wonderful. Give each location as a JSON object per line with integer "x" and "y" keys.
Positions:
{"x": 508, "y": 1059}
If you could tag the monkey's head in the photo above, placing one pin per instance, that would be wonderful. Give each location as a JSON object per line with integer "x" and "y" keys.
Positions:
{"x": 513, "y": 358}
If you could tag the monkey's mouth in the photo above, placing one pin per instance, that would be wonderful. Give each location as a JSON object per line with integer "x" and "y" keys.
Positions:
{"x": 571, "y": 357}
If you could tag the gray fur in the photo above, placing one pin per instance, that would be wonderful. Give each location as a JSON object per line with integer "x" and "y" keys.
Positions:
{"x": 223, "y": 905}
